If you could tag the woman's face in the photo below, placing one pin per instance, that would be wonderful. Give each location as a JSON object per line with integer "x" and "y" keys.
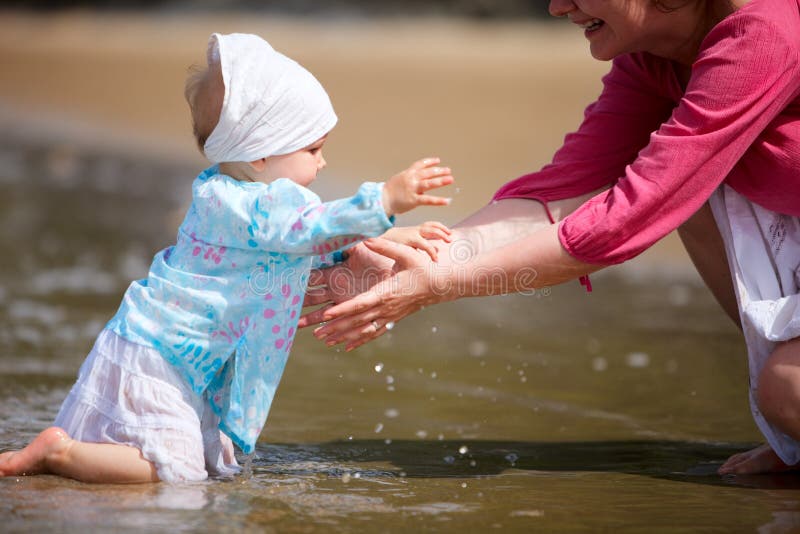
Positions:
{"x": 615, "y": 27}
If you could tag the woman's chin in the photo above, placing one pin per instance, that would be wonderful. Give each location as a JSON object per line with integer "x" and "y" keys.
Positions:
{"x": 600, "y": 53}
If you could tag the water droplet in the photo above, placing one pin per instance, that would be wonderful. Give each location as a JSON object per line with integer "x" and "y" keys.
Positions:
{"x": 478, "y": 348}
{"x": 421, "y": 434}
{"x": 523, "y": 379}
{"x": 599, "y": 364}
{"x": 679, "y": 295}
{"x": 378, "y": 367}
{"x": 389, "y": 325}
{"x": 463, "y": 484}
{"x": 391, "y": 413}
{"x": 434, "y": 329}
{"x": 440, "y": 437}
{"x": 349, "y": 438}
{"x": 433, "y": 374}
{"x": 356, "y": 475}
{"x": 387, "y": 441}
{"x": 637, "y": 359}
{"x": 473, "y": 463}
{"x": 389, "y": 388}
{"x": 449, "y": 460}
{"x": 378, "y": 428}
{"x": 390, "y": 379}
{"x": 346, "y": 478}
{"x": 463, "y": 449}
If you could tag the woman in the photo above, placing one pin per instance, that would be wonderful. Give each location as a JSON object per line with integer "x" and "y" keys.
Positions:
{"x": 697, "y": 129}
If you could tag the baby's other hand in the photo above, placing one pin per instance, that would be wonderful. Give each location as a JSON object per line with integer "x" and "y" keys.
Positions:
{"x": 405, "y": 190}
{"x": 435, "y": 230}
{"x": 419, "y": 236}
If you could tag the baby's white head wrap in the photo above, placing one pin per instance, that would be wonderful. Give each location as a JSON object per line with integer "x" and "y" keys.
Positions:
{"x": 272, "y": 105}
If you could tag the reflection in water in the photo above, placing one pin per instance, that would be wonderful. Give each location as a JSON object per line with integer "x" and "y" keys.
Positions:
{"x": 566, "y": 412}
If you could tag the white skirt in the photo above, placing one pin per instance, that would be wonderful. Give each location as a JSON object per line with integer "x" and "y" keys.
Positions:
{"x": 128, "y": 394}
{"x": 763, "y": 249}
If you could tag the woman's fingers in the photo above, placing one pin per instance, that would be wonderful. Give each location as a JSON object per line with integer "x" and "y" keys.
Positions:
{"x": 359, "y": 329}
{"x": 403, "y": 256}
{"x": 355, "y": 305}
{"x": 313, "y": 317}
{"x": 317, "y": 295}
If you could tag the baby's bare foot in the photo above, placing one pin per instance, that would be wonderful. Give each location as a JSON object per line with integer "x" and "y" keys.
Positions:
{"x": 32, "y": 460}
{"x": 754, "y": 462}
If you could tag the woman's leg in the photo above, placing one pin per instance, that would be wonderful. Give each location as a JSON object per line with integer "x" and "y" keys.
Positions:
{"x": 704, "y": 244}
{"x": 779, "y": 382}
{"x": 54, "y": 452}
{"x": 779, "y": 401}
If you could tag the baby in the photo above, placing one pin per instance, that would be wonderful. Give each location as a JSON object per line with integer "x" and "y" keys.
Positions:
{"x": 190, "y": 363}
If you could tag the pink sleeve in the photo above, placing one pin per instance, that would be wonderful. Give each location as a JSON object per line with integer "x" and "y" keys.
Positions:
{"x": 631, "y": 106}
{"x": 746, "y": 74}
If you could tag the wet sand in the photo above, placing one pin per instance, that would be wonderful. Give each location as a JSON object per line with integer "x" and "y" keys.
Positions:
{"x": 492, "y": 100}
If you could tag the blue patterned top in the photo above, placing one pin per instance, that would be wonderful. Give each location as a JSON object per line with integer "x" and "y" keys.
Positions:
{"x": 222, "y": 304}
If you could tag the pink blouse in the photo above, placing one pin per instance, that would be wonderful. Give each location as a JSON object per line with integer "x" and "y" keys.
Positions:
{"x": 664, "y": 150}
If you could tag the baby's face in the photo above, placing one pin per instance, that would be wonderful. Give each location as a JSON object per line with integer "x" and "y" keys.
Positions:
{"x": 300, "y": 166}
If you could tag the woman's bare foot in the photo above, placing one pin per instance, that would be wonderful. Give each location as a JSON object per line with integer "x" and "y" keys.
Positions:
{"x": 754, "y": 462}
{"x": 32, "y": 460}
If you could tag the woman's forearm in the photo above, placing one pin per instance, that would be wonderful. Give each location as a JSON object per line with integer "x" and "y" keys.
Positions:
{"x": 532, "y": 262}
{"x": 507, "y": 246}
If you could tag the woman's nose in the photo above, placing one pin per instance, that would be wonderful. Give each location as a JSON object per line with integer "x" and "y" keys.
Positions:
{"x": 560, "y": 8}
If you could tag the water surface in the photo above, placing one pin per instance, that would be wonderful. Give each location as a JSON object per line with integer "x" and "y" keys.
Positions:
{"x": 567, "y": 412}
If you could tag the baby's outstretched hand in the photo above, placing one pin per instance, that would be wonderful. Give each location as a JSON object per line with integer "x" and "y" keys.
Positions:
{"x": 406, "y": 190}
{"x": 419, "y": 236}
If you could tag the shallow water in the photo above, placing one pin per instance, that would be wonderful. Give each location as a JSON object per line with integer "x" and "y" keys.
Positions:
{"x": 568, "y": 412}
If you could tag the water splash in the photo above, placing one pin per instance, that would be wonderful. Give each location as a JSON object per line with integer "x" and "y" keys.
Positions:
{"x": 247, "y": 468}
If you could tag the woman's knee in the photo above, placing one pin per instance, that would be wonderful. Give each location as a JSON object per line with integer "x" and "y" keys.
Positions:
{"x": 778, "y": 392}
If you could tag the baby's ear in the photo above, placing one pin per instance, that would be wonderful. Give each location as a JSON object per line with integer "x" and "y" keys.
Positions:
{"x": 258, "y": 165}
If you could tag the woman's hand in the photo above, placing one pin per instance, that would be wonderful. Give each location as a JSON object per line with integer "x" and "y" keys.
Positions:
{"x": 360, "y": 271}
{"x": 372, "y": 314}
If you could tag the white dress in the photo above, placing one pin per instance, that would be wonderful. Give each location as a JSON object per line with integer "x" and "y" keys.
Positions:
{"x": 128, "y": 394}
{"x": 763, "y": 249}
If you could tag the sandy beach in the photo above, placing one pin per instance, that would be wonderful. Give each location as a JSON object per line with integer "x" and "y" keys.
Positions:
{"x": 493, "y": 100}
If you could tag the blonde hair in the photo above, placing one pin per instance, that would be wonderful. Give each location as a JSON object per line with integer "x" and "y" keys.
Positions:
{"x": 204, "y": 91}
